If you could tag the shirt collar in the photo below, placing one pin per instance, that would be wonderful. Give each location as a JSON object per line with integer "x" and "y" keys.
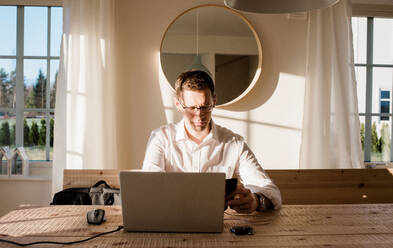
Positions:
{"x": 182, "y": 135}
{"x": 180, "y": 131}
{"x": 214, "y": 130}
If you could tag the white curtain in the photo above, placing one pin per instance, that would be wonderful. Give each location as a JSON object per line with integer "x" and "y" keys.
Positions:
{"x": 331, "y": 128}
{"x": 85, "y": 121}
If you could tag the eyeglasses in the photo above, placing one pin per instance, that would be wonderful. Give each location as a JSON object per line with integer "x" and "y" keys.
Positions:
{"x": 193, "y": 109}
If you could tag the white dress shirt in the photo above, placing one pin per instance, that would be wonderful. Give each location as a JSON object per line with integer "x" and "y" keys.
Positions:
{"x": 170, "y": 149}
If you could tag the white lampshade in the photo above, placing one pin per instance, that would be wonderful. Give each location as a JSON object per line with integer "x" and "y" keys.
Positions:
{"x": 278, "y": 6}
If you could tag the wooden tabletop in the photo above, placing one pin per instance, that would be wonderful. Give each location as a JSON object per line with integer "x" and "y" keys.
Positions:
{"x": 360, "y": 225}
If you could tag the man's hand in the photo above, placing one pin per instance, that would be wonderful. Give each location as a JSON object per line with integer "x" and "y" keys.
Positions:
{"x": 242, "y": 200}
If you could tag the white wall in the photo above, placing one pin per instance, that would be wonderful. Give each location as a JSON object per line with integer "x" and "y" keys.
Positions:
{"x": 33, "y": 190}
{"x": 269, "y": 117}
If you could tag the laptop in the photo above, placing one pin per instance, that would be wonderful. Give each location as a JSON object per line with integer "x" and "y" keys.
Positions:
{"x": 172, "y": 201}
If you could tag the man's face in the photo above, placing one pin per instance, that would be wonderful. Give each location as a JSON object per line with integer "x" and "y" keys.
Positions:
{"x": 196, "y": 108}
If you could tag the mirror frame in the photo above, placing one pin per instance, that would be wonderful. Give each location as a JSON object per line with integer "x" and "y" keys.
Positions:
{"x": 257, "y": 40}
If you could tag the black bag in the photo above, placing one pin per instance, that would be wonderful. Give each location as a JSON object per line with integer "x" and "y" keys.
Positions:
{"x": 99, "y": 194}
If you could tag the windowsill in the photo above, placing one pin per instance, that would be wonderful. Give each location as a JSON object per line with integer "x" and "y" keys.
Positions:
{"x": 378, "y": 165}
{"x": 38, "y": 171}
{"x": 40, "y": 163}
{"x": 22, "y": 178}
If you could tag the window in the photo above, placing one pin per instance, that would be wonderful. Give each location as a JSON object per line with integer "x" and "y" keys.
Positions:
{"x": 373, "y": 54}
{"x": 29, "y": 61}
{"x": 384, "y": 103}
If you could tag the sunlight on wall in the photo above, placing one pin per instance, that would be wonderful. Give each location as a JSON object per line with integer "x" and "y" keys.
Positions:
{"x": 167, "y": 94}
{"x": 236, "y": 121}
{"x": 281, "y": 112}
{"x": 272, "y": 130}
{"x": 284, "y": 108}
{"x": 103, "y": 50}
{"x": 275, "y": 128}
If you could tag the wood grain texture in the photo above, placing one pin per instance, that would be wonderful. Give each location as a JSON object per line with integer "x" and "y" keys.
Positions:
{"x": 328, "y": 186}
{"x": 347, "y": 225}
{"x": 334, "y": 186}
{"x": 88, "y": 177}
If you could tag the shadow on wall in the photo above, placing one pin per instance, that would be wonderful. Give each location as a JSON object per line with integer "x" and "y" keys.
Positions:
{"x": 283, "y": 43}
{"x": 258, "y": 95}
{"x": 283, "y": 47}
{"x": 175, "y": 116}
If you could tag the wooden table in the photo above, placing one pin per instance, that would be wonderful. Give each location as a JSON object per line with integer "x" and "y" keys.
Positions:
{"x": 360, "y": 225}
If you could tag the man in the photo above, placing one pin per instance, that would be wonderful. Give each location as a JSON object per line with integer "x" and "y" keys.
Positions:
{"x": 197, "y": 144}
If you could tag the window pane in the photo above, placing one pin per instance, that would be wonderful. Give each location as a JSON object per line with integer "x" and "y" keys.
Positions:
{"x": 380, "y": 140}
{"x": 3, "y": 166}
{"x": 362, "y": 130}
{"x": 8, "y": 30}
{"x": 16, "y": 167}
{"x": 385, "y": 94}
{"x": 56, "y": 30}
{"x": 360, "y": 72}
{"x": 36, "y": 31}
{"x": 7, "y": 136}
{"x": 51, "y": 126}
{"x": 359, "y": 30}
{"x": 34, "y": 135}
{"x": 383, "y": 41}
{"x": 7, "y": 83}
{"x": 384, "y": 108}
{"x": 54, "y": 69}
{"x": 382, "y": 80}
{"x": 7, "y": 129}
{"x": 35, "y": 83}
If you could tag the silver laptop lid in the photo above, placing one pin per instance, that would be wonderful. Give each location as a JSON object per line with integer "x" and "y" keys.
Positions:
{"x": 172, "y": 201}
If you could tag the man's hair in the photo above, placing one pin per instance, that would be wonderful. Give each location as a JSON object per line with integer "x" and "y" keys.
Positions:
{"x": 193, "y": 80}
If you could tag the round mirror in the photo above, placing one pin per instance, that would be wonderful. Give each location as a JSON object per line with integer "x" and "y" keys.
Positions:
{"x": 218, "y": 40}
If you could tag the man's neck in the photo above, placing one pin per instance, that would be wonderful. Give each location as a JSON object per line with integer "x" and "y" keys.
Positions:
{"x": 196, "y": 136}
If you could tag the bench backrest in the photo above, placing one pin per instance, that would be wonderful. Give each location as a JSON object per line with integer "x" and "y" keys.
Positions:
{"x": 325, "y": 186}
{"x": 334, "y": 186}
{"x": 87, "y": 178}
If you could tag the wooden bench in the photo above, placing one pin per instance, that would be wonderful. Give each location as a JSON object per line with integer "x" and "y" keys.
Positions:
{"x": 325, "y": 186}
{"x": 334, "y": 186}
{"x": 88, "y": 177}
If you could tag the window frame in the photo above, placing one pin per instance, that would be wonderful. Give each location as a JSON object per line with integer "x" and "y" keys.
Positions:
{"x": 42, "y": 3}
{"x": 368, "y": 114}
{"x": 19, "y": 58}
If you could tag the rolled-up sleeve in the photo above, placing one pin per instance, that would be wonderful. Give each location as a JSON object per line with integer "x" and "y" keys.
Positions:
{"x": 154, "y": 156}
{"x": 253, "y": 177}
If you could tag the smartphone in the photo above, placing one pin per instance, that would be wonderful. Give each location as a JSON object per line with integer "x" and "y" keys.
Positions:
{"x": 230, "y": 185}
